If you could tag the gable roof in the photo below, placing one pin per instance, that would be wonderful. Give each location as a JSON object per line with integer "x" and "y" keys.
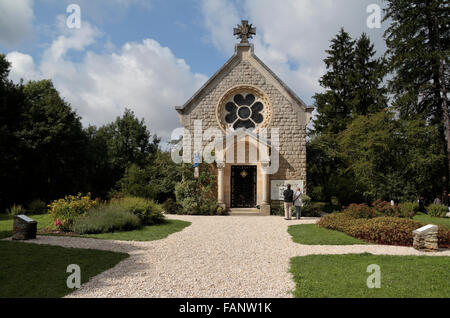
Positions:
{"x": 224, "y": 68}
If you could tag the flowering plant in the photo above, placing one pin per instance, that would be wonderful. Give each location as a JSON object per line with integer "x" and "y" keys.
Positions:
{"x": 64, "y": 211}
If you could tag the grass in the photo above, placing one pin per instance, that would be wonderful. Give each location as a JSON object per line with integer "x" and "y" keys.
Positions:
{"x": 312, "y": 234}
{"x": 6, "y": 223}
{"x": 31, "y": 270}
{"x": 345, "y": 276}
{"x": 429, "y": 219}
{"x": 147, "y": 233}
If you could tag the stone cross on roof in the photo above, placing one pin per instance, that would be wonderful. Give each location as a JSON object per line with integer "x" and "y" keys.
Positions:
{"x": 245, "y": 31}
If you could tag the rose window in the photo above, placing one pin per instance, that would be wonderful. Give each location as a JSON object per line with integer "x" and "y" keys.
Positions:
{"x": 244, "y": 112}
{"x": 244, "y": 107}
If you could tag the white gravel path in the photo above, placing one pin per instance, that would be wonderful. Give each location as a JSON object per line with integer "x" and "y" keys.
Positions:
{"x": 235, "y": 256}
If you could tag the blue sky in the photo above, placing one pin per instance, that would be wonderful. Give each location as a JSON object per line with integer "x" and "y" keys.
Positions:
{"x": 150, "y": 55}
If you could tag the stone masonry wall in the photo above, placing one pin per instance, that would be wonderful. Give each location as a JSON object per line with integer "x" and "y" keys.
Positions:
{"x": 292, "y": 135}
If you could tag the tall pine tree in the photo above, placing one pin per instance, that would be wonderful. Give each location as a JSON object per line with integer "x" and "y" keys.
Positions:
{"x": 353, "y": 83}
{"x": 334, "y": 105}
{"x": 369, "y": 93}
{"x": 418, "y": 43}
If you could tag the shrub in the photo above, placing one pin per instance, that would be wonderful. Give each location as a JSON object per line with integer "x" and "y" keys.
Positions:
{"x": 194, "y": 206}
{"x": 384, "y": 208}
{"x": 148, "y": 211}
{"x": 171, "y": 207}
{"x": 106, "y": 218}
{"x": 276, "y": 210}
{"x": 197, "y": 196}
{"x": 136, "y": 182}
{"x": 380, "y": 230}
{"x": 313, "y": 209}
{"x": 360, "y": 211}
{"x": 65, "y": 211}
{"x": 408, "y": 209}
{"x": 37, "y": 207}
{"x": 437, "y": 210}
{"x": 16, "y": 210}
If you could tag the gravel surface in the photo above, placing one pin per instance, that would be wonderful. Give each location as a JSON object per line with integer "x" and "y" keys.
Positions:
{"x": 240, "y": 256}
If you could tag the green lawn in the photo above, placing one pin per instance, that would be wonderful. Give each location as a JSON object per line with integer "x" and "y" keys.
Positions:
{"x": 429, "y": 219}
{"x": 345, "y": 276}
{"x": 31, "y": 270}
{"x": 6, "y": 223}
{"x": 312, "y": 234}
{"x": 147, "y": 233}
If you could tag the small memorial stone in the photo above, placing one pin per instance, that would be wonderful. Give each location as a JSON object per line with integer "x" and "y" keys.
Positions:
{"x": 426, "y": 238}
{"x": 24, "y": 228}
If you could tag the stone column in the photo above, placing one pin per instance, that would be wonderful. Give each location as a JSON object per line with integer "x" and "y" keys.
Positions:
{"x": 220, "y": 184}
{"x": 265, "y": 204}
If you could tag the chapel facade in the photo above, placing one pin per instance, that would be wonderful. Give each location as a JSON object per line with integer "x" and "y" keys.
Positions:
{"x": 263, "y": 146}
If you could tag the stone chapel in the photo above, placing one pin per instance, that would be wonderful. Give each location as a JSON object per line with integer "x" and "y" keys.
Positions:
{"x": 242, "y": 99}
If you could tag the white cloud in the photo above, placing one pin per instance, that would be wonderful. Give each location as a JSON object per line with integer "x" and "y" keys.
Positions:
{"x": 144, "y": 76}
{"x": 292, "y": 37}
{"x": 16, "y": 17}
{"x": 22, "y": 64}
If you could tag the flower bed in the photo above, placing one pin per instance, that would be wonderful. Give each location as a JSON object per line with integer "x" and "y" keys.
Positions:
{"x": 380, "y": 230}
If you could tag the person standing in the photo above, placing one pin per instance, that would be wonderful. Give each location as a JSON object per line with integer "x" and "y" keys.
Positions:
{"x": 288, "y": 200}
{"x": 422, "y": 204}
{"x": 298, "y": 203}
{"x": 437, "y": 200}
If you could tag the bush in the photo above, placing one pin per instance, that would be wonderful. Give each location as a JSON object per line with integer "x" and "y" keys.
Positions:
{"x": 197, "y": 196}
{"x": 276, "y": 210}
{"x": 136, "y": 182}
{"x": 16, "y": 210}
{"x": 408, "y": 209}
{"x": 194, "y": 206}
{"x": 172, "y": 207}
{"x": 313, "y": 209}
{"x": 360, "y": 211}
{"x": 106, "y": 218}
{"x": 380, "y": 230}
{"x": 384, "y": 208}
{"x": 437, "y": 210}
{"x": 37, "y": 207}
{"x": 65, "y": 211}
{"x": 148, "y": 211}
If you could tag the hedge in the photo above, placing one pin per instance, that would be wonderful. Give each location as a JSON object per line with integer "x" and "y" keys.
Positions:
{"x": 380, "y": 230}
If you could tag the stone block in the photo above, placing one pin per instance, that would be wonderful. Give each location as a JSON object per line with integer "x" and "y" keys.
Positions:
{"x": 265, "y": 209}
{"x": 24, "y": 228}
{"x": 425, "y": 238}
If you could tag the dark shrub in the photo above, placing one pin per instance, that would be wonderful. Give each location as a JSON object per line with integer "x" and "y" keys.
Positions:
{"x": 360, "y": 211}
{"x": 104, "y": 219}
{"x": 313, "y": 209}
{"x": 148, "y": 211}
{"x": 384, "y": 208}
{"x": 16, "y": 210}
{"x": 172, "y": 207}
{"x": 276, "y": 209}
{"x": 37, "y": 207}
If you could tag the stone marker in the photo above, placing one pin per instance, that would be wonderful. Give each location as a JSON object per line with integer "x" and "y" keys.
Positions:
{"x": 426, "y": 238}
{"x": 24, "y": 228}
